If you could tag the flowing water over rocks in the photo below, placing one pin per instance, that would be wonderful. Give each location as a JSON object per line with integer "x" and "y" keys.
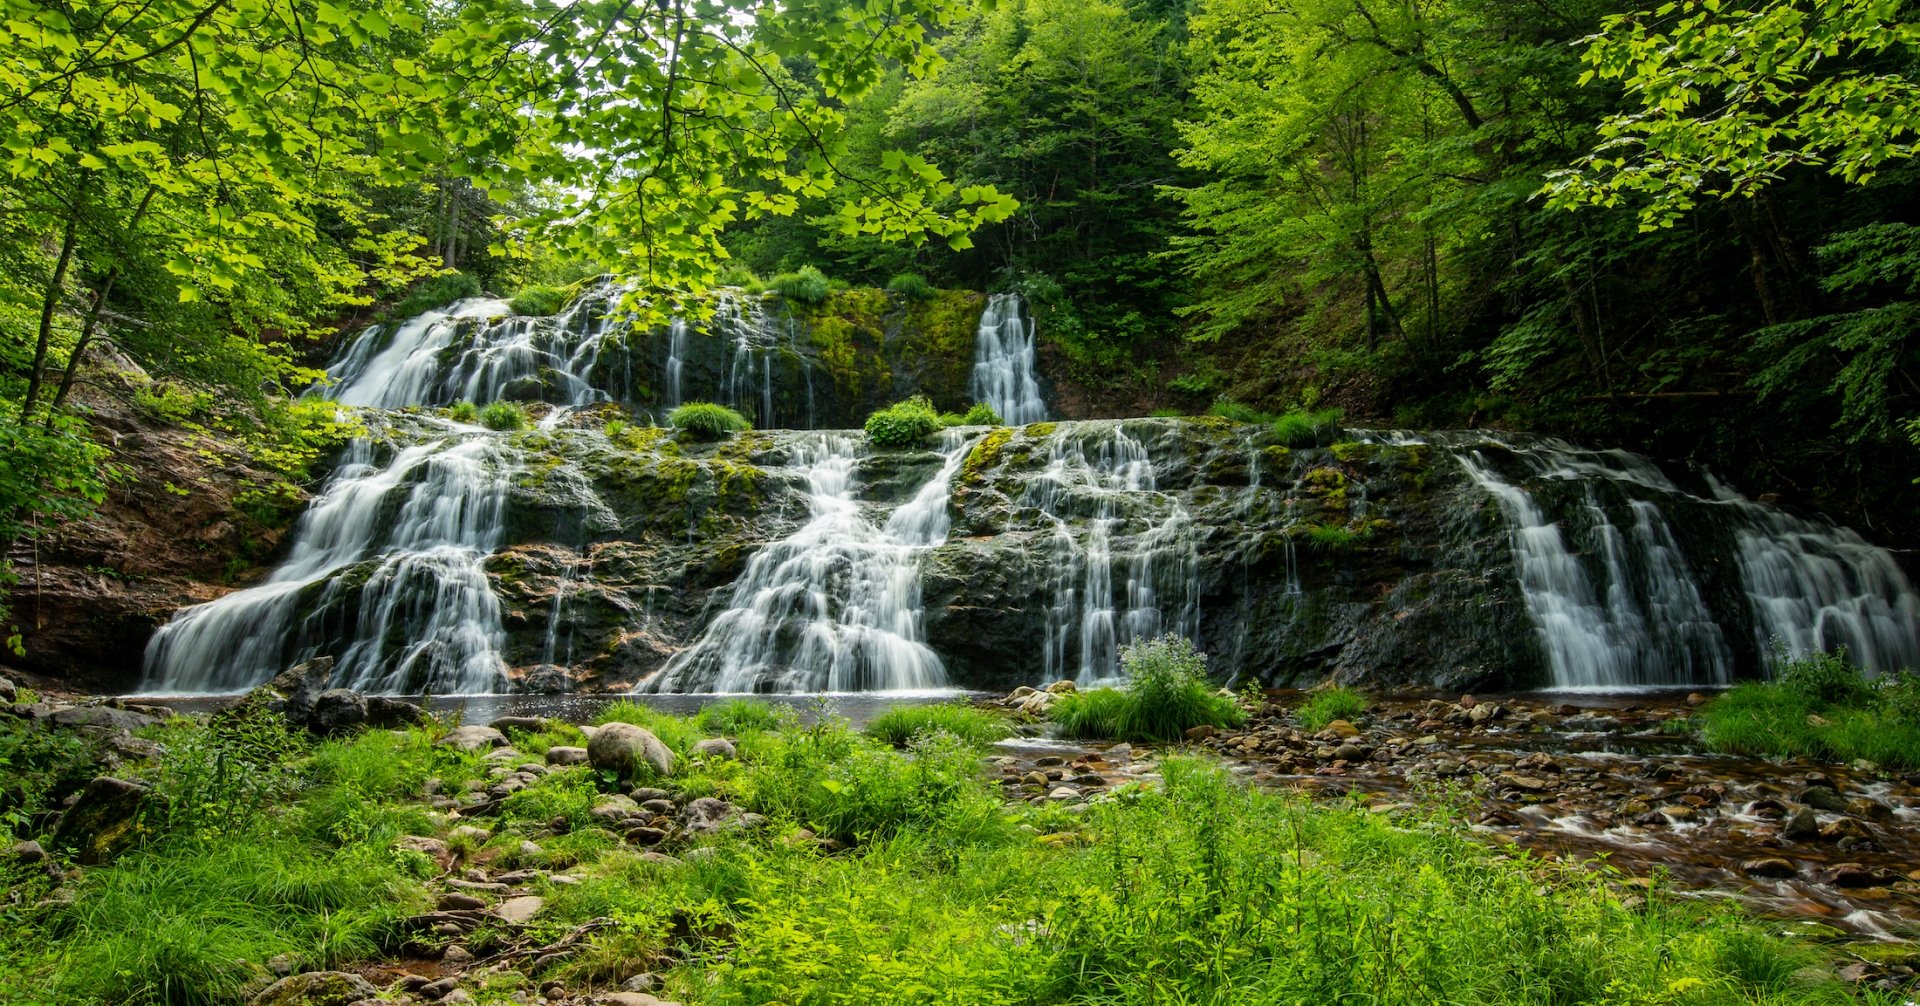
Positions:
{"x": 594, "y": 552}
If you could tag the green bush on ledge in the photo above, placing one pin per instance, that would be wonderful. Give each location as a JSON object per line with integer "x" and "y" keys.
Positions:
{"x": 707, "y": 421}
{"x": 903, "y": 424}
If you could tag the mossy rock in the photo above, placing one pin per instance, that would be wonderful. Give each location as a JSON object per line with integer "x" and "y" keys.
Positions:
{"x": 317, "y": 988}
{"x": 110, "y": 817}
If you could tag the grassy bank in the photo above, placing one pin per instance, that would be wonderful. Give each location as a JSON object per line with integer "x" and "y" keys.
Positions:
{"x": 1820, "y": 707}
{"x": 1193, "y": 889}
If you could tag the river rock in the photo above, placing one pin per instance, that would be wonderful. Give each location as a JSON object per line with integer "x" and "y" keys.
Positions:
{"x": 530, "y": 724}
{"x": 614, "y": 809}
{"x": 630, "y": 999}
{"x": 627, "y": 750}
{"x": 108, "y": 819}
{"x": 102, "y": 718}
{"x": 386, "y": 712}
{"x": 1339, "y": 730}
{"x": 9, "y": 692}
{"x": 1769, "y": 867}
{"x": 472, "y": 738}
{"x": 338, "y": 711}
{"x": 566, "y": 756}
{"x": 708, "y": 814}
{"x": 28, "y": 852}
{"x": 1856, "y": 875}
{"x": 716, "y": 747}
{"x": 1823, "y": 797}
{"x": 317, "y": 988}
{"x": 1801, "y": 826}
{"x": 521, "y": 910}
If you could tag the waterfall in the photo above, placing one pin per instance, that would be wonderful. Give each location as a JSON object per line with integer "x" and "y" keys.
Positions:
{"x": 1003, "y": 373}
{"x": 676, "y": 360}
{"x": 1818, "y": 587}
{"x": 755, "y": 343}
{"x": 1617, "y": 601}
{"x": 1103, "y": 476}
{"x": 422, "y": 613}
{"x": 835, "y": 606}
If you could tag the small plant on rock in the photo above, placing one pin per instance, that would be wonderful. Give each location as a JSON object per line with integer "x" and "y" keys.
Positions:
{"x": 463, "y": 412}
{"x": 903, "y": 424}
{"x": 707, "y": 421}
{"x": 1167, "y": 693}
{"x": 806, "y": 285}
{"x": 1329, "y": 704}
{"x": 504, "y": 416}
{"x": 1301, "y": 428}
{"x": 911, "y": 286}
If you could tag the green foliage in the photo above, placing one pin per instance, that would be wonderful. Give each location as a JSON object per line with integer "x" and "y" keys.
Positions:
{"x": 740, "y": 716}
{"x": 435, "y": 292}
{"x": 1332, "y": 537}
{"x": 504, "y": 416}
{"x": 978, "y": 414}
{"x": 540, "y": 301}
{"x": 1325, "y": 705}
{"x": 1227, "y": 408}
{"x": 903, "y": 424}
{"x": 1819, "y": 706}
{"x": 911, "y": 286}
{"x": 833, "y": 781}
{"x": 902, "y": 724}
{"x": 708, "y": 421}
{"x": 1300, "y": 428}
{"x": 1167, "y": 691}
{"x": 463, "y": 411}
{"x": 805, "y": 286}
{"x": 1724, "y": 99}
{"x": 38, "y": 767}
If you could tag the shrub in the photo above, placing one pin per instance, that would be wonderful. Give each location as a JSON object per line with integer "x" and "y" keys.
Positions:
{"x": 504, "y": 416}
{"x": 539, "y": 301}
{"x": 806, "y": 286}
{"x": 1227, "y": 408}
{"x": 707, "y": 421}
{"x": 1167, "y": 413}
{"x": 981, "y": 414}
{"x": 463, "y": 412}
{"x": 1166, "y": 693}
{"x": 740, "y": 276}
{"x": 1823, "y": 678}
{"x": 901, "y": 724}
{"x": 911, "y": 286}
{"x": 435, "y": 292}
{"x": 1300, "y": 428}
{"x": 1331, "y": 537}
{"x": 903, "y": 424}
{"x": 1329, "y": 704}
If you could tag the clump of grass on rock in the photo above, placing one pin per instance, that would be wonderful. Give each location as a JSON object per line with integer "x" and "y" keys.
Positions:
{"x": 903, "y": 424}
{"x": 504, "y": 416}
{"x": 1325, "y": 705}
{"x": 707, "y": 421}
{"x": 1166, "y": 693}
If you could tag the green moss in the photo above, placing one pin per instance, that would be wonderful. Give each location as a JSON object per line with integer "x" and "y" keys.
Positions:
{"x": 984, "y": 455}
{"x": 1354, "y": 451}
{"x": 1329, "y": 486}
{"x": 1038, "y": 430}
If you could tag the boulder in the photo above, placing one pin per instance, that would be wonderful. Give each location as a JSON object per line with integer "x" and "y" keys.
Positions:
{"x": 1801, "y": 826}
{"x": 1772, "y": 867}
{"x": 102, "y": 717}
{"x": 298, "y": 686}
{"x": 519, "y": 911}
{"x": 317, "y": 988}
{"x": 108, "y": 819}
{"x": 338, "y": 711}
{"x": 8, "y": 691}
{"x": 716, "y": 747}
{"x": 387, "y": 713}
{"x": 532, "y": 724}
{"x": 472, "y": 738}
{"x": 708, "y": 814}
{"x": 566, "y": 756}
{"x": 627, "y": 750}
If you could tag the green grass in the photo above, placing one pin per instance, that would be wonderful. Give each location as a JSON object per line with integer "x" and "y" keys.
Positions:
{"x": 1167, "y": 692}
{"x": 807, "y": 285}
{"x": 434, "y": 292}
{"x": 1192, "y": 888}
{"x": 911, "y": 286}
{"x": 707, "y": 421}
{"x": 504, "y": 416}
{"x": 900, "y": 725}
{"x": 1328, "y": 704}
{"x": 903, "y": 424}
{"x": 1301, "y": 428}
{"x": 1819, "y": 707}
{"x": 463, "y": 411}
{"x": 540, "y": 301}
{"x": 1332, "y": 537}
{"x": 1227, "y": 408}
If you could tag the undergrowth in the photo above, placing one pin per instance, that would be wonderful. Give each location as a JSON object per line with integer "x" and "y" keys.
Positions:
{"x": 1819, "y": 706}
{"x": 1328, "y": 704}
{"x": 1166, "y": 693}
{"x": 901, "y": 724}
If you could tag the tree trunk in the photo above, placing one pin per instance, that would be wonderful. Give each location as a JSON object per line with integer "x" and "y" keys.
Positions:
{"x": 93, "y": 314}
{"x": 49, "y": 303}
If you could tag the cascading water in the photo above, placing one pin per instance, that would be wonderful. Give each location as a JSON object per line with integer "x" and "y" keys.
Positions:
{"x": 756, "y": 344}
{"x": 1618, "y": 603}
{"x": 426, "y": 616}
{"x": 1003, "y": 355}
{"x": 834, "y": 607}
{"x": 1100, "y": 478}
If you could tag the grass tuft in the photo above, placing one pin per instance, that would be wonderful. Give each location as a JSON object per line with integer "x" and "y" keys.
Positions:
{"x": 903, "y": 424}
{"x": 807, "y": 285}
{"x": 1328, "y": 704}
{"x": 708, "y": 421}
{"x": 504, "y": 416}
{"x": 1300, "y": 428}
{"x": 900, "y": 725}
{"x": 1167, "y": 692}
